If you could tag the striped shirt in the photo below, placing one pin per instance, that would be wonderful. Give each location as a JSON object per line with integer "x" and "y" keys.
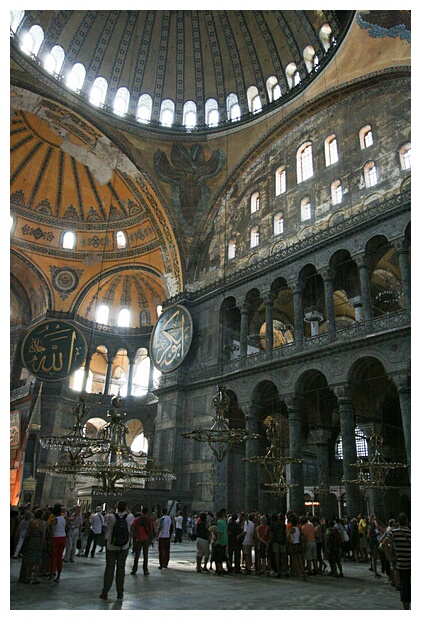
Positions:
{"x": 401, "y": 541}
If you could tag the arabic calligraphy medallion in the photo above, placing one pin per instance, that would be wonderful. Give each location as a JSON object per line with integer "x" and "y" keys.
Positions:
{"x": 171, "y": 338}
{"x": 53, "y": 350}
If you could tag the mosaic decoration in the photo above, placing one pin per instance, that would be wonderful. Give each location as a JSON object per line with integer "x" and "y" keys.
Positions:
{"x": 37, "y": 233}
{"x": 386, "y": 24}
{"x": 65, "y": 280}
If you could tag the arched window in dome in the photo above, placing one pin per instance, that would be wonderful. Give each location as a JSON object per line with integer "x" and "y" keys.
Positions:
{"x": 16, "y": 18}
{"x": 304, "y": 162}
{"x": 167, "y": 113}
{"x": 278, "y": 223}
{"x": 366, "y": 136}
{"x": 325, "y": 36}
{"x": 121, "y": 101}
{"x": 255, "y": 202}
{"x": 370, "y": 174}
{"x": 11, "y": 222}
{"x": 145, "y": 318}
{"x": 232, "y": 248}
{"x": 293, "y": 75}
{"x": 254, "y": 237}
{"x": 305, "y": 209}
{"x": 280, "y": 181}
{"x": 331, "y": 150}
{"x": 98, "y": 91}
{"x": 124, "y": 318}
{"x": 54, "y": 61}
{"x": 310, "y": 58}
{"x": 273, "y": 88}
{"x": 233, "y": 108}
{"x": 189, "y": 115}
{"x": 158, "y": 310}
{"x": 405, "y": 156}
{"x": 144, "y": 108}
{"x": 68, "y": 240}
{"x": 336, "y": 192}
{"x": 121, "y": 239}
{"x": 253, "y": 99}
{"x": 76, "y": 77}
{"x": 211, "y": 113}
{"x": 103, "y": 314}
{"x": 32, "y": 40}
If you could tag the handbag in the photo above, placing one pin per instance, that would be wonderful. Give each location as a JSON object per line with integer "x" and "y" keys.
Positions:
{"x": 79, "y": 543}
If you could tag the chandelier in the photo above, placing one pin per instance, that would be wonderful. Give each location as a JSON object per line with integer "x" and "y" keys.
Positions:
{"x": 372, "y": 474}
{"x": 220, "y": 437}
{"x": 211, "y": 484}
{"x": 107, "y": 458}
{"x": 273, "y": 461}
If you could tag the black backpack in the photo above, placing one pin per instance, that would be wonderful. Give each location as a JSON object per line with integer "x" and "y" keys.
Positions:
{"x": 279, "y": 533}
{"x": 120, "y": 533}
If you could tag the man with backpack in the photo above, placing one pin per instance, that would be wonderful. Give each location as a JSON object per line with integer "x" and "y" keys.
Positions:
{"x": 118, "y": 541}
{"x": 333, "y": 540}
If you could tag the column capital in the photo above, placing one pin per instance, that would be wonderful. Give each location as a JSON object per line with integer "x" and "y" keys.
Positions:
{"x": 343, "y": 392}
{"x": 320, "y": 436}
{"x": 361, "y": 259}
{"x": 327, "y": 273}
{"x": 401, "y": 245}
{"x": 268, "y": 297}
{"x": 402, "y": 382}
{"x": 297, "y": 286}
{"x": 244, "y": 306}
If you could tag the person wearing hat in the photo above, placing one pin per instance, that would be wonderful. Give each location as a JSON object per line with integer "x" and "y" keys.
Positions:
{"x": 96, "y": 521}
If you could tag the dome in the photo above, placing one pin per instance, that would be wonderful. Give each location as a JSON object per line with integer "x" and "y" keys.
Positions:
{"x": 187, "y": 70}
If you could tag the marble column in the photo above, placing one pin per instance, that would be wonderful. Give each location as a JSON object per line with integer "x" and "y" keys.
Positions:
{"x": 244, "y": 327}
{"x": 86, "y": 373}
{"x": 347, "y": 422}
{"x": 358, "y": 308}
{"x": 130, "y": 377}
{"x": 403, "y": 386}
{"x": 108, "y": 375}
{"x": 365, "y": 286}
{"x": 402, "y": 252}
{"x": 328, "y": 276}
{"x": 251, "y": 492}
{"x": 294, "y": 404}
{"x": 297, "y": 291}
{"x": 320, "y": 437}
{"x": 269, "y": 298}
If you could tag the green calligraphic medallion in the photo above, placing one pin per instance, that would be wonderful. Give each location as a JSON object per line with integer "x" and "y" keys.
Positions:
{"x": 171, "y": 338}
{"x": 53, "y": 350}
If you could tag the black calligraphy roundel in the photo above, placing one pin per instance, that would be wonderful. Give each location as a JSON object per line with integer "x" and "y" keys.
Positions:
{"x": 171, "y": 338}
{"x": 53, "y": 349}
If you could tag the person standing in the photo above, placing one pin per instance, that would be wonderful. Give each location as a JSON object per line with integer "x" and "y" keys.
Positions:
{"x": 74, "y": 525}
{"x": 178, "y": 528}
{"x": 21, "y": 533}
{"x": 58, "y": 542}
{"x": 202, "y": 544}
{"x": 96, "y": 521}
{"x": 117, "y": 537}
{"x": 164, "y": 537}
{"x": 398, "y": 541}
{"x": 32, "y": 557}
{"x": 142, "y": 532}
{"x": 221, "y": 542}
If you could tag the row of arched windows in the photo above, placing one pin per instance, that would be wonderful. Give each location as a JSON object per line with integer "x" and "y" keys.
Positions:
{"x": 31, "y": 42}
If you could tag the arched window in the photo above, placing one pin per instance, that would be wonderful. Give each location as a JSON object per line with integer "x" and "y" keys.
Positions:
{"x": 121, "y": 239}
{"x": 11, "y": 222}
{"x": 121, "y": 101}
{"x": 310, "y": 58}
{"x": 68, "y": 240}
{"x": 331, "y": 150}
{"x": 405, "y": 156}
{"x": 305, "y": 209}
{"x": 360, "y": 444}
{"x": 54, "y": 61}
{"x": 98, "y": 91}
{"x": 189, "y": 115}
{"x": 76, "y": 77}
{"x": 278, "y": 223}
{"x": 211, "y": 113}
{"x": 325, "y": 36}
{"x": 167, "y": 112}
{"x": 233, "y": 108}
{"x": 293, "y": 75}
{"x": 255, "y": 202}
{"x": 158, "y": 310}
{"x": 253, "y": 98}
{"x": 32, "y": 40}
{"x": 336, "y": 192}
{"x": 232, "y": 248}
{"x": 123, "y": 318}
{"x": 144, "y": 108}
{"x": 254, "y": 237}
{"x": 76, "y": 380}
{"x": 280, "y": 181}
{"x": 273, "y": 88}
{"x": 16, "y": 18}
{"x": 304, "y": 162}
{"x": 370, "y": 174}
{"x": 145, "y": 318}
{"x": 103, "y": 314}
{"x": 140, "y": 443}
{"x": 366, "y": 136}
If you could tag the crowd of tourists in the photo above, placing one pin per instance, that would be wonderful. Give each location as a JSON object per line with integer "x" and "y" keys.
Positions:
{"x": 285, "y": 546}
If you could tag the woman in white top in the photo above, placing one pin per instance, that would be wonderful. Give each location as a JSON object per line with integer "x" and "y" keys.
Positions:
{"x": 248, "y": 538}
{"x": 57, "y": 528}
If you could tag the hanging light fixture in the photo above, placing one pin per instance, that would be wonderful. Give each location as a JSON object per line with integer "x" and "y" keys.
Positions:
{"x": 212, "y": 484}
{"x": 220, "y": 437}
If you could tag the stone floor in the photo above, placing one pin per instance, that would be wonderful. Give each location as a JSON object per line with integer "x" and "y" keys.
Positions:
{"x": 180, "y": 587}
